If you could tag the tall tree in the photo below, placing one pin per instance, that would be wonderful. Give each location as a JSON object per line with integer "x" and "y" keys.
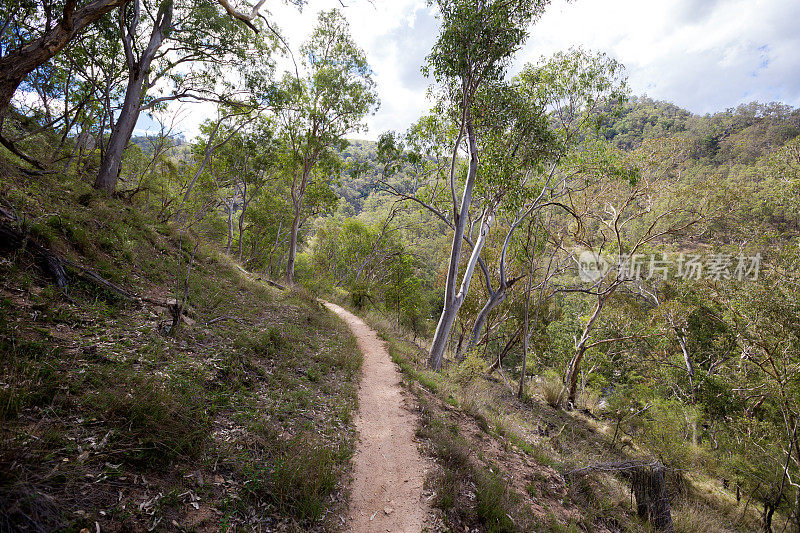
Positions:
{"x": 35, "y": 32}
{"x": 476, "y": 43}
{"x": 183, "y": 47}
{"x": 566, "y": 91}
{"x": 326, "y": 98}
{"x": 627, "y": 207}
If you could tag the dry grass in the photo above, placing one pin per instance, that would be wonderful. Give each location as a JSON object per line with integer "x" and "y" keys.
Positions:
{"x": 549, "y": 386}
{"x": 551, "y": 438}
{"x": 243, "y": 419}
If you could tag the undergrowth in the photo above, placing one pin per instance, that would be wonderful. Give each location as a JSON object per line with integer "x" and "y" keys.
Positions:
{"x": 242, "y": 418}
{"x": 473, "y": 486}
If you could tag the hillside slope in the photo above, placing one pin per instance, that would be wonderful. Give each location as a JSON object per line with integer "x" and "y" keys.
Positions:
{"x": 241, "y": 416}
{"x": 504, "y": 464}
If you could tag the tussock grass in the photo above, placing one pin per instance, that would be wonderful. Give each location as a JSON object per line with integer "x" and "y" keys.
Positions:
{"x": 549, "y": 386}
{"x": 153, "y": 422}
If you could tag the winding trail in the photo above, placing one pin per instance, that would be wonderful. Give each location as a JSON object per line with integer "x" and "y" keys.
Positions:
{"x": 388, "y": 471}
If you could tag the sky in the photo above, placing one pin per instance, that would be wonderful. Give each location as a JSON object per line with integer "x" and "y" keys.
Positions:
{"x": 703, "y": 55}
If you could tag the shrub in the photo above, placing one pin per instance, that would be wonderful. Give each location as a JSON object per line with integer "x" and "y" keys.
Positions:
{"x": 470, "y": 368}
{"x": 664, "y": 432}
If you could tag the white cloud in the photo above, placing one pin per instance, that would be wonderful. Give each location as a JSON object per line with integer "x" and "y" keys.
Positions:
{"x": 704, "y": 55}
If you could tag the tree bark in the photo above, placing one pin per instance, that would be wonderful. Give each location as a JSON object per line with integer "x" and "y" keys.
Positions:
{"x": 245, "y": 202}
{"x": 652, "y": 502}
{"x": 16, "y": 66}
{"x": 571, "y": 378}
{"x": 494, "y": 300}
{"x": 766, "y": 516}
{"x": 120, "y": 136}
{"x": 290, "y": 261}
{"x": 649, "y": 486}
{"x": 453, "y": 301}
{"x": 229, "y": 208}
{"x": 137, "y": 79}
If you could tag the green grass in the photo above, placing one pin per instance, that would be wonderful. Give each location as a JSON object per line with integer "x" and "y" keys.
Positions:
{"x": 95, "y": 399}
{"x": 494, "y": 502}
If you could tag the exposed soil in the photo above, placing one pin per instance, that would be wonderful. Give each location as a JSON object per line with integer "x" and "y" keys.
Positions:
{"x": 388, "y": 470}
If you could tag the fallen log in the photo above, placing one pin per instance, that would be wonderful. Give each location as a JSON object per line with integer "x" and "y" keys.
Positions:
{"x": 12, "y": 239}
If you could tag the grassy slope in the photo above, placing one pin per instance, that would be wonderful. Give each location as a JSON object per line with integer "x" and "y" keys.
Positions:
{"x": 501, "y": 462}
{"x": 243, "y": 418}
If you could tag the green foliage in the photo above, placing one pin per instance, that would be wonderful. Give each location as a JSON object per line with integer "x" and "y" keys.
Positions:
{"x": 478, "y": 43}
{"x": 665, "y": 431}
{"x": 471, "y": 368}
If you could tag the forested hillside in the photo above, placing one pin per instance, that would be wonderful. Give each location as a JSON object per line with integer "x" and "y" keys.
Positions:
{"x": 593, "y": 296}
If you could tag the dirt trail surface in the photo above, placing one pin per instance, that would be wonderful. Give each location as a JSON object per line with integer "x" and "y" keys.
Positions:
{"x": 388, "y": 471}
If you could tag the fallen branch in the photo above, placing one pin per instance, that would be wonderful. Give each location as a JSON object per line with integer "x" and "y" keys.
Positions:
{"x": 11, "y": 147}
{"x": 60, "y": 268}
{"x": 13, "y": 239}
{"x": 274, "y": 284}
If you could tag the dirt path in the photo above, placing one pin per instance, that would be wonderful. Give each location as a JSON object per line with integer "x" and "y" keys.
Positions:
{"x": 388, "y": 472}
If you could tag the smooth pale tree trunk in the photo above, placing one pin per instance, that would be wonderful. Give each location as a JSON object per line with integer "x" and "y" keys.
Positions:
{"x": 16, "y": 66}
{"x": 687, "y": 360}
{"x": 129, "y": 114}
{"x": 571, "y": 378}
{"x": 494, "y": 300}
{"x": 451, "y": 307}
{"x": 245, "y": 203}
{"x": 229, "y": 207}
{"x": 290, "y": 261}
{"x": 453, "y": 300}
{"x": 497, "y": 297}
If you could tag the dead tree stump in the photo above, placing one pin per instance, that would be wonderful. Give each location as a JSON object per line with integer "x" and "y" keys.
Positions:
{"x": 649, "y": 487}
{"x": 652, "y": 501}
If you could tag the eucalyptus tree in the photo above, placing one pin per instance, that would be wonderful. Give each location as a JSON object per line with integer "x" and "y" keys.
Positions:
{"x": 323, "y": 100}
{"x": 628, "y": 207}
{"x": 241, "y": 168}
{"x": 174, "y": 51}
{"x": 476, "y": 42}
{"x": 34, "y": 32}
{"x": 764, "y": 314}
{"x": 554, "y": 106}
